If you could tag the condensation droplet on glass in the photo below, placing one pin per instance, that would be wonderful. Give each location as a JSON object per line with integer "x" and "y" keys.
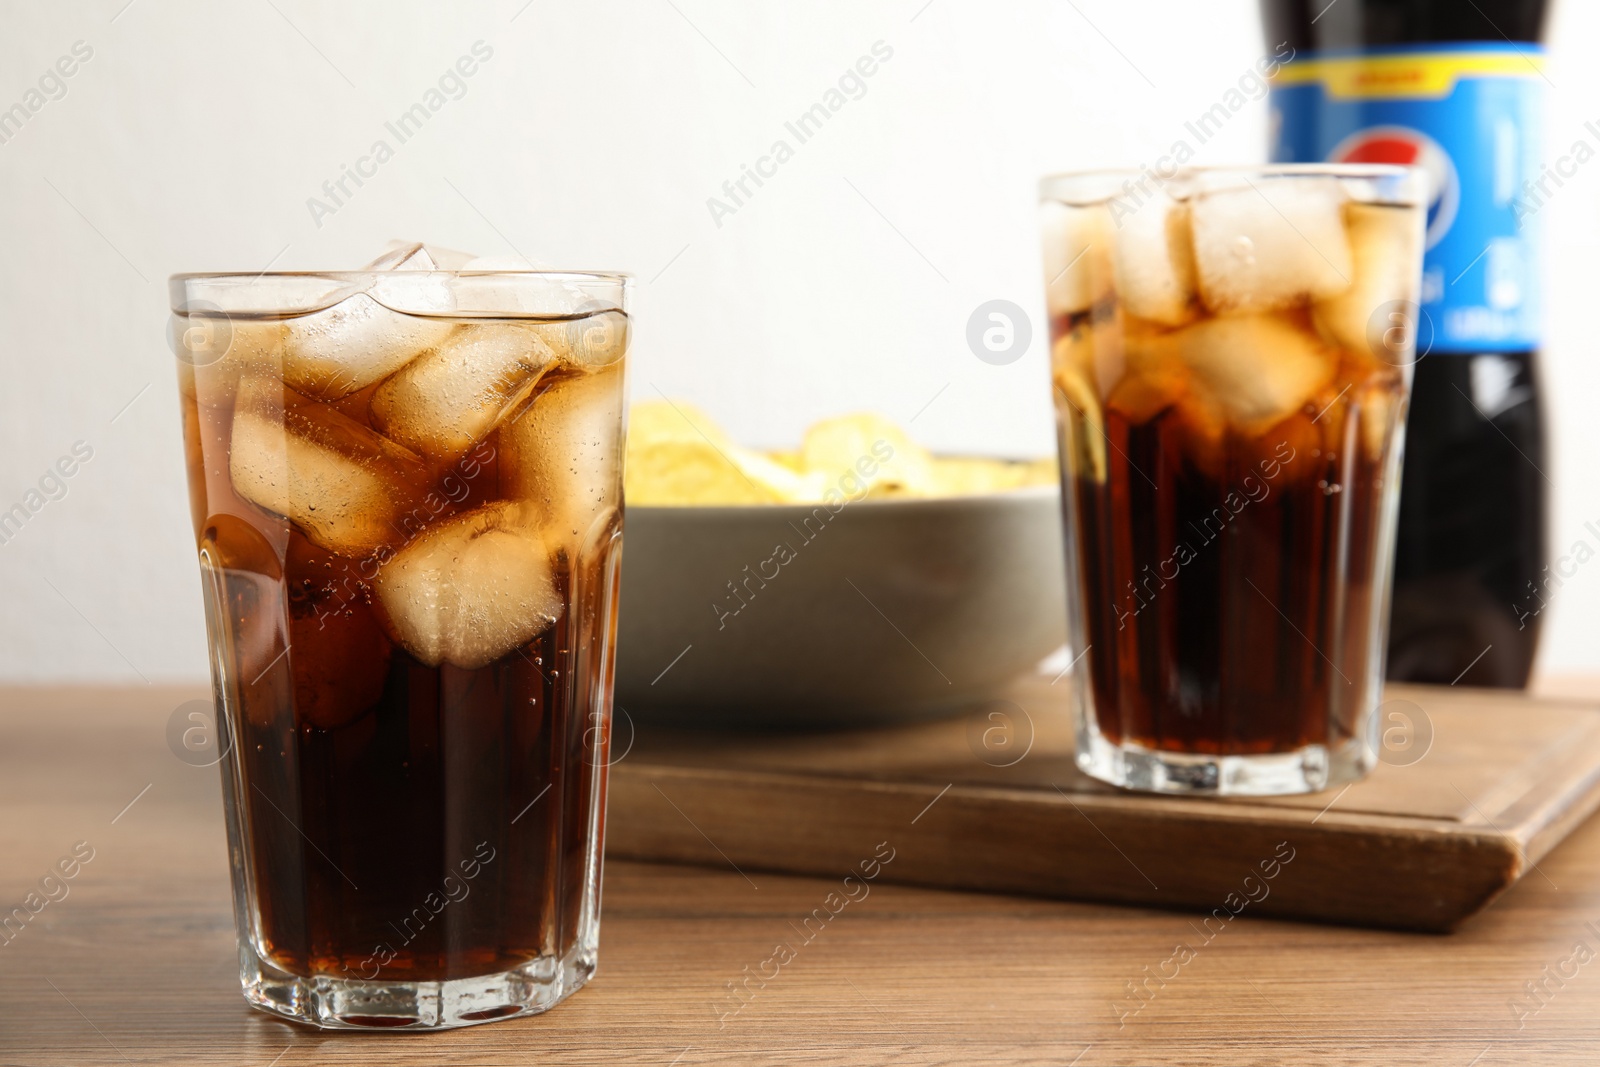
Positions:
{"x": 1244, "y": 250}
{"x": 1329, "y": 488}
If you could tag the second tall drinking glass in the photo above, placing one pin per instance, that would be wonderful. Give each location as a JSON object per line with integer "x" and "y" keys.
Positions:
{"x": 1231, "y": 355}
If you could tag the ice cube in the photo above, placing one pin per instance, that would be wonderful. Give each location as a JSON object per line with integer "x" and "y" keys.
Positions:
{"x": 403, "y": 255}
{"x": 562, "y": 453}
{"x": 1258, "y": 369}
{"x": 212, "y": 338}
{"x": 444, "y": 401}
{"x": 1155, "y": 380}
{"x": 346, "y": 488}
{"x": 470, "y": 589}
{"x": 345, "y": 348}
{"x": 220, "y": 349}
{"x": 1077, "y": 256}
{"x": 1274, "y": 243}
{"x": 255, "y": 342}
{"x": 1093, "y": 350}
{"x": 513, "y": 284}
{"x": 1152, "y": 353}
{"x": 417, "y": 255}
{"x": 593, "y": 340}
{"x": 1153, "y": 261}
{"x": 1384, "y": 243}
{"x": 1141, "y": 399}
{"x": 367, "y": 335}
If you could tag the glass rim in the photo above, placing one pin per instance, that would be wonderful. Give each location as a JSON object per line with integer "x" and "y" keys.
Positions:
{"x": 486, "y": 293}
{"x": 1052, "y": 182}
{"x": 613, "y": 276}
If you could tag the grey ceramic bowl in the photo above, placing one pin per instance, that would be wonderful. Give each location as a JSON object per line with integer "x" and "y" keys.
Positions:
{"x": 787, "y": 615}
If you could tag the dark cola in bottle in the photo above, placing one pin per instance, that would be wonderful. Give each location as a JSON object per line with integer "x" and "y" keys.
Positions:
{"x": 1453, "y": 88}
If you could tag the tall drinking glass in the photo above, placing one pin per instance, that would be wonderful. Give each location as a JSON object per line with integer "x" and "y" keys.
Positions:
{"x": 406, "y": 491}
{"x": 1231, "y": 354}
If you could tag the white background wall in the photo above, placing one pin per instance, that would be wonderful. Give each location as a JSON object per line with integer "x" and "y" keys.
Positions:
{"x": 194, "y": 136}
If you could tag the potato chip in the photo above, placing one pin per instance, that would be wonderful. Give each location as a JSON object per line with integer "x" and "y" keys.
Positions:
{"x": 869, "y": 449}
{"x": 688, "y": 472}
{"x": 655, "y": 421}
{"x": 961, "y": 476}
{"x": 678, "y": 457}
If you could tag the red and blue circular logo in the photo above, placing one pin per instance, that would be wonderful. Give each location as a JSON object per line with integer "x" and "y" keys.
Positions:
{"x": 1409, "y": 147}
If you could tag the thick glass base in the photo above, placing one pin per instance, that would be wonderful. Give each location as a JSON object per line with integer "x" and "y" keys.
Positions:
{"x": 1305, "y": 770}
{"x": 349, "y": 1004}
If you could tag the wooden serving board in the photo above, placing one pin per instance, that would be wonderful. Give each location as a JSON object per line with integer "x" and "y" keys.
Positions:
{"x": 1420, "y": 846}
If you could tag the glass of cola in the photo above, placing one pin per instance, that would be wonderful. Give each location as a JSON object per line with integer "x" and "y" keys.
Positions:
{"x": 1231, "y": 357}
{"x": 406, "y": 491}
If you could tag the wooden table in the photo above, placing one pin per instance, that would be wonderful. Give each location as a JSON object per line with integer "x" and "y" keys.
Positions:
{"x": 136, "y": 964}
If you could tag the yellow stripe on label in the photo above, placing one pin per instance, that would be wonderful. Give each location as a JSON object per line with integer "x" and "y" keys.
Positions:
{"x": 1428, "y": 76}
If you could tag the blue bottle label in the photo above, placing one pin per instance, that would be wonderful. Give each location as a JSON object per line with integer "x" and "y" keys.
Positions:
{"x": 1468, "y": 115}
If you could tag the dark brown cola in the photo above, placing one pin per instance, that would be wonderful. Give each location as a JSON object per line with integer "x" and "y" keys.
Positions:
{"x": 1232, "y": 604}
{"x": 411, "y": 588}
{"x": 1228, "y": 433}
